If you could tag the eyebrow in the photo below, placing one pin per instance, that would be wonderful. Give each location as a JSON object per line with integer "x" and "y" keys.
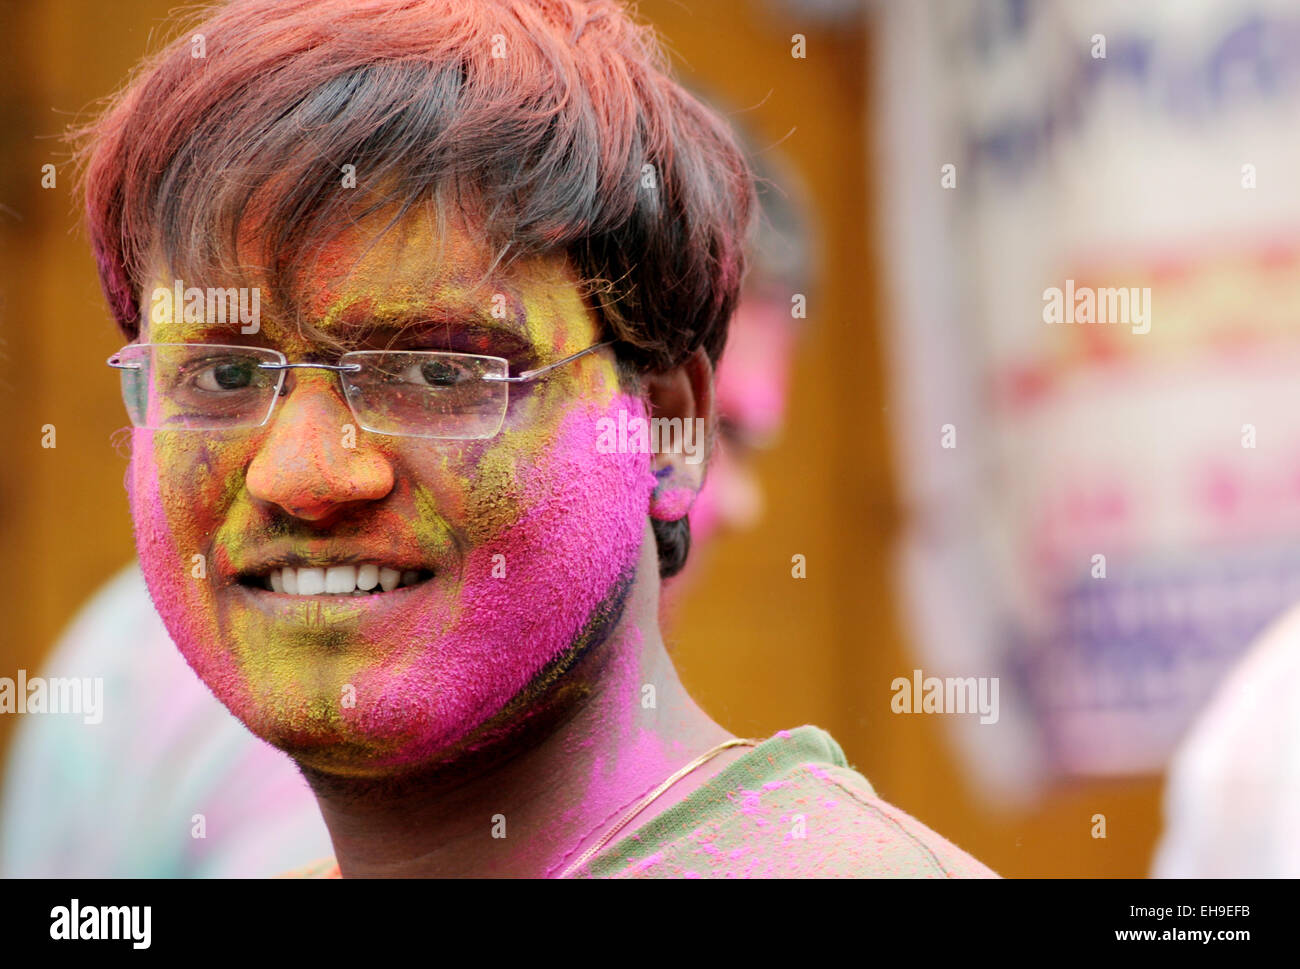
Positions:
{"x": 460, "y": 326}
{"x": 361, "y": 320}
{"x": 474, "y": 334}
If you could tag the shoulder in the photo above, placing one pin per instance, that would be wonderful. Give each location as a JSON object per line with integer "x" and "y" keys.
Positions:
{"x": 792, "y": 809}
{"x": 866, "y": 836}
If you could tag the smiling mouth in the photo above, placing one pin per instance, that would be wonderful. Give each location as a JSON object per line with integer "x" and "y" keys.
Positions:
{"x": 336, "y": 580}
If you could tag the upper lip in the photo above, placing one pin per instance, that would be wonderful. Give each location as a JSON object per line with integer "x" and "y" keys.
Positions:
{"x": 298, "y": 555}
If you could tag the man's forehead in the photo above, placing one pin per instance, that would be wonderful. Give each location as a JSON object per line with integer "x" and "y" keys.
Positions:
{"x": 379, "y": 268}
{"x": 369, "y": 268}
{"x": 385, "y": 275}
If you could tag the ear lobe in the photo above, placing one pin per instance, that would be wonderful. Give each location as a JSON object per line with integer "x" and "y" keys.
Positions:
{"x": 681, "y": 405}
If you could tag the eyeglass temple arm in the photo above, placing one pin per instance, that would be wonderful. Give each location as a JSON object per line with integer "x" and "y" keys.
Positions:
{"x": 528, "y": 375}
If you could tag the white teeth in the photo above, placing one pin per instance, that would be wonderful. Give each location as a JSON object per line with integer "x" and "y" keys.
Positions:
{"x": 341, "y": 578}
{"x": 367, "y": 577}
{"x": 311, "y": 582}
{"x": 357, "y": 580}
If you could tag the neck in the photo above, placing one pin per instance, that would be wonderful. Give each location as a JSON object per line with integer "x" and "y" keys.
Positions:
{"x": 531, "y": 810}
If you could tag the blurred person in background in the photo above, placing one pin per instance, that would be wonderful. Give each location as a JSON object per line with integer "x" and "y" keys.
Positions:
{"x": 752, "y": 382}
{"x": 1232, "y": 797}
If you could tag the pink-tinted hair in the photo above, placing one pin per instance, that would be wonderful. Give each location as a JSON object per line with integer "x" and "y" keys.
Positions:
{"x": 577, "y": 140}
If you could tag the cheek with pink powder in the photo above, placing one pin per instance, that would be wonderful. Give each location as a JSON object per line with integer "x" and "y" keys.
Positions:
{"x": 555, "y": 539}
{"x": 172, "y": 539}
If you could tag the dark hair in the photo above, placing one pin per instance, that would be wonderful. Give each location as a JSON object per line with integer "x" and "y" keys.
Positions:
{"x": 576, "y": 140}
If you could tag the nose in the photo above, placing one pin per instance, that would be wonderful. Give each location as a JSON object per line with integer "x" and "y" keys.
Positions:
{"x": 305, "y": 464}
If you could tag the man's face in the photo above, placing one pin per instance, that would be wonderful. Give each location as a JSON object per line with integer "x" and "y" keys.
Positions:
{"x": 521, "y": 544}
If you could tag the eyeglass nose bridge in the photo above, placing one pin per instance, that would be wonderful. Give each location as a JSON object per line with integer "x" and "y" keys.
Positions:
{"x": 338, "y": 368}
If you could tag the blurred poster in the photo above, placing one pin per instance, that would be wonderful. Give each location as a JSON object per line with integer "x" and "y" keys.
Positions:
{"x": 1091, "y": 223}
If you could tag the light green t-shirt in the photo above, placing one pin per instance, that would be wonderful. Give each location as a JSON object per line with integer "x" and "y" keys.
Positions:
{"x": 790, "y": 808}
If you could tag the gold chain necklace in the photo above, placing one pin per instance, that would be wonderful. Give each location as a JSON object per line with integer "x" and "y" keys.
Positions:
{"x": 642, "y": 804}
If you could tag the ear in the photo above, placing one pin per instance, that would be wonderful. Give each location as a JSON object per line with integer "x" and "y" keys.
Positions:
{"x": 681, "y": 400}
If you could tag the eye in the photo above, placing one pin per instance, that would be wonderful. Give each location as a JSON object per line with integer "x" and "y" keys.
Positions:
{"x": 437, "y": 372}
{"x": 229, "y": 373}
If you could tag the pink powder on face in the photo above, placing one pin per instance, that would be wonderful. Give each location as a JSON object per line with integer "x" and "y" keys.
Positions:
{"x": 578, "y": 534}
{"x": 574, "y": 520}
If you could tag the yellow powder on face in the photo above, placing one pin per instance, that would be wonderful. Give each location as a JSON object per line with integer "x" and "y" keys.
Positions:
{"x": 295, "y": 675}
{"x": 493, "y": 494}
{"x": 432, "y": 529}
